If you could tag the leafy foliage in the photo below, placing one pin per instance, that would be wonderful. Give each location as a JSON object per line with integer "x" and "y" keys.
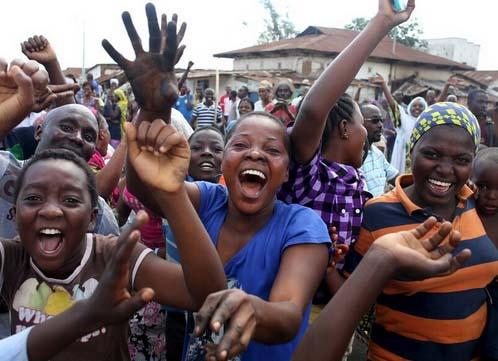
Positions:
{"x": 277, "y": 27}
{"x": 408, "y": 34}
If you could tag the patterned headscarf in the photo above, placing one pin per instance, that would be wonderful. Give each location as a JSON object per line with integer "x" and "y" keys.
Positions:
{"x": 446, "y": 114}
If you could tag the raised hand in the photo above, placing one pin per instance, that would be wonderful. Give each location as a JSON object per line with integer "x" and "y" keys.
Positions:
{"x": 418, "y": 254}
{"x": 39, "y": 49}
{"x": 229, "y": 305}
{"x": 377, "y": 79}
{"x": 159, "y": 154}
{"x": 392, "y": 17}
{"x": 152, "y": 75}
{"x": 112, "y": 302}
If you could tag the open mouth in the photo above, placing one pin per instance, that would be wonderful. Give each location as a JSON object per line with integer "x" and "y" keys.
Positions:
{"x": 252, "y": 182}
{"x": 206, "y": 166}
{"x": 439, "y": 186}
{"x": 50, "y": 241}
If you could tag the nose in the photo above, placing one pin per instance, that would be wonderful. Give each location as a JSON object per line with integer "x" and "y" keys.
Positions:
{"x": 445, "y": 167}
{"x": 255, "y": 154}
{"x": 206, "y": 151}
{"x": 77, "y": 138}
{"x": 51, "y": 210}
{"x": 492, "y": 194}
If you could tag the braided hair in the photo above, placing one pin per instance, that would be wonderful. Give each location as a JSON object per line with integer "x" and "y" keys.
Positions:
{"x": 342, "y": 110}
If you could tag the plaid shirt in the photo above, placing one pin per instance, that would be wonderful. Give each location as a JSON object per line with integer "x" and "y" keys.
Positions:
{"x": 333, "y": 190}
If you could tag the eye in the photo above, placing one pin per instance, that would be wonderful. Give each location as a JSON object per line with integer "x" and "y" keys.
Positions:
{"x": 70, "y": 200}
{"x": 89, "y": 138}
{"x": 463, "y": 161}
{"x": 430, "y": 154}
{"x": 66, "y": 127}
{"x": 195, "y": 148}
{"x": 239, "y": 145}
{"x": 273, "y": 151}
{"x": 32, "y": 198}
{"x": 482, "y": 187}
{"x": 218, "y": 150}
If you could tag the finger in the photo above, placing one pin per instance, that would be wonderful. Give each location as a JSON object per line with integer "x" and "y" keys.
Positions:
{"x": 32, "y": 42}
{"x": 226, "y": 309}
{"x": 154, "y": 31}
{"x": 232, "y": 337}
{"x": 25, "y": 50}
{"x": 434, "y": 241}
{"x": 24, "y": 84}
{"x": 128, "y": 307}
{"x": 169, "y": 54}
{"x": 244, "y": 339}
{"x": 45, "y": 102}
{"x": 116, "y": 55}
{"x": 164, "y": 35}
{"x": 44, "y": 41}
{"x": 152, "y": 133}
{"x": 203, "y": 316}
{"x": 129, "y": 237}
{"x": 422, "y": 229}
{"x": 448, "y": 247}
{"x": 174, "y": 18}
{"x": 448, "y": 264}
{"x": 30, "y": 67}
{"x": 3, "y": 65}
{"x": 136, "y": 42}
{"x": 131, "y": 140}
{"x": 167, "y": 139}
{"x": 64, "y": 95}
{"x": 38, "y": 42}
{"x": 181, "y": 33}
{"x": 179, "y": 53}
{"x": 143, "y": 128}
{"x": 40, "y": 80}
{"x": 61, "y": 88}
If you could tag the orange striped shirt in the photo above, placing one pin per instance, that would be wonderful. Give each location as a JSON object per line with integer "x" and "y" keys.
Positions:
{"x": 439, "y": 318}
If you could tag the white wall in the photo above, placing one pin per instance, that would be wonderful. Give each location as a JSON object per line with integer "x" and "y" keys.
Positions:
{"x": 456, "y": 49}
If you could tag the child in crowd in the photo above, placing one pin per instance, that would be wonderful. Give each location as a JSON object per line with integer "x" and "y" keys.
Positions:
{"x": 56, "y": 262}
{"x": 443, "y": 318}
{"x": 245, "y": 106}
{"x": 485, "y": 177}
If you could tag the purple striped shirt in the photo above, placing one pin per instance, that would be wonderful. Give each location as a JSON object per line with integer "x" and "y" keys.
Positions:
{"x": 334, "y": 190}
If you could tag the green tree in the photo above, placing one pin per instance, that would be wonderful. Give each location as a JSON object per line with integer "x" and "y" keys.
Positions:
{"x": 408, "y": 34}
{"x": 277, "y": 27}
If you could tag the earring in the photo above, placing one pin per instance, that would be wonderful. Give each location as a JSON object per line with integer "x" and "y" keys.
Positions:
{"x": 345, "y": 136}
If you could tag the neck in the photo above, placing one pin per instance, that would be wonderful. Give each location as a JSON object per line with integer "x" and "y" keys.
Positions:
{"x": 247, "y": 223}
{"x": 334, "y": 152}
{"x": 446, "y": 210}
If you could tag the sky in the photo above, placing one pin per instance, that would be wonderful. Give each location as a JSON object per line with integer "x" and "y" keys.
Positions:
{"x": 219, "y": 25}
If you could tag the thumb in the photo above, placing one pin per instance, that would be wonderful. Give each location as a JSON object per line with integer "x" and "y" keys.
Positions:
{"x": 128, "y": 307}
{"x": 131, "y": 139}
{"x": 24, "y": 84}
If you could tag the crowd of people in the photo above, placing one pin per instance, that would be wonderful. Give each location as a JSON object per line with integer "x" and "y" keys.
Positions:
{"x": 142, "y": 222}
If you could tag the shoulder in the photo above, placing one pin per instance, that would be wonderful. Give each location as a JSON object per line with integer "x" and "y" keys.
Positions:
{"x": 212, "y": 197}
{"x": 384, "y": 211}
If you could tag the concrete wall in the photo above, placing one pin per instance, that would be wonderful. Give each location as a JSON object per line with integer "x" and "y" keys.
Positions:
{"x": 455, "y": 49}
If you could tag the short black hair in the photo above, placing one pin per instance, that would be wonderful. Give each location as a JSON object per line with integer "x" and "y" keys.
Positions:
{"x": 63, "y": 154}
{"x": 486, "y": 155}
{"x": 247, "y": 100}
{"x": 474, "y": 93}
{"x": 342, "y": 110}
{"x": 202, "y": 129}
{"x": 85, "y": 83}
{"x": 287, "y": 142}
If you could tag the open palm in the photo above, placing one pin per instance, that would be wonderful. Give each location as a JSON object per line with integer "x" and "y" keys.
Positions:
{"x": 152, "y": 75}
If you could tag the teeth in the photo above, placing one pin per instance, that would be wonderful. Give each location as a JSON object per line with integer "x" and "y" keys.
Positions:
{"x": 206, "y": 164}
{"x": 50, "y": 231}
{"x": 439, "y": 183}
{"x": 254, "y": 172}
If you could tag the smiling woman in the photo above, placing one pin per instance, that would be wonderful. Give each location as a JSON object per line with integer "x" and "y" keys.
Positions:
{"x": 413, "y": 318}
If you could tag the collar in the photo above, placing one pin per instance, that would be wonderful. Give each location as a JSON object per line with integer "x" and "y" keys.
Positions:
{"x": 343, "y": 172}
{"x": 406, "y": 180}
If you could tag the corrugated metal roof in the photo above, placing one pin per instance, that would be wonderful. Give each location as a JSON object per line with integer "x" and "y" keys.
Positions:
{"x": 331, "y": 41}
{"x": 484, "y": 77}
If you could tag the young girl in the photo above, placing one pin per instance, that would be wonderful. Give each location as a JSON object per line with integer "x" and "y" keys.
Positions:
{"x": 57, "y": 263}
{"x": 404, "y": 121}
{"x": 274, "y": 254}
{"x": 443, "y": 318}
{"x": 484, "y": 176}
{"x": 245, "y": 106}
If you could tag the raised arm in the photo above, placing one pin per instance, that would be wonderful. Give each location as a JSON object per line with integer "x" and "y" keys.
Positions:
{"x": 451, "y": 82}
{"x": 160, "y": 155}
{"x": 333, "y": 82}
{"x": 410, "y": 254}
{"x": 152, "y": 78}
{"x": 379, "y": 81}
{"x": 107, "y": 179}
{"x": 39, "y": 49}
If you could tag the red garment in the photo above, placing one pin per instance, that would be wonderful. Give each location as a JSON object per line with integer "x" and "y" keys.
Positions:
{"x": 222, "y": 103}
{"x": 283, "y": 115}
